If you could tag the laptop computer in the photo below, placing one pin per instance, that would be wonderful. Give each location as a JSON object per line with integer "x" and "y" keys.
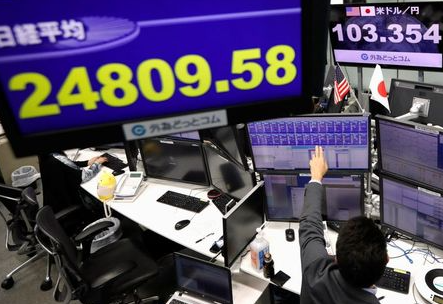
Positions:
{"x": 201, "y": 282}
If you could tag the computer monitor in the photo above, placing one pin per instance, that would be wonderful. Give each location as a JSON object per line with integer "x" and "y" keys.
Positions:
{"x": 403, "y": 92}
{"x": 396, "y": 35}
{"x": 203, "y": 278}
{"x": 288, "y": 143}
{"x": 241, "y": 222}
{"x": 176, "y": 160}
{"x": 410, "y": 151}
{"x": 227, "y": 176}
{"x": 285, "y": 196}
{"x": 412, "y": 210}
{"x": 227, "y": 139}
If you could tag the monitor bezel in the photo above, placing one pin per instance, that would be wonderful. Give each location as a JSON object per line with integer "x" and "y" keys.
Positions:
{"x": 225, "y": 217}
{"x": 222, "y": 268}
{"x": 324, "y": 218}
{"x": 411, "y": 125}
{"x": 220, "y": 153}
{"x": 371, "y": 65}
{"x": 183, "y": 142}
{"x": 383, "y": 223}
{"x": 307, "y": 170}
{"x": 314, "y": 46}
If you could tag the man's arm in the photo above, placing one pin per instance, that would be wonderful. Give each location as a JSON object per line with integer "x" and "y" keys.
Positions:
{"x": 312, "y": 242}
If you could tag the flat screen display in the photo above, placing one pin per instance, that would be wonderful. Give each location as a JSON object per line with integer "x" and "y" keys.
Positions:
{"x": 402, "y": 35}
{"x": 227, "y": 176}
{"x": 203, "y": 279}
{"x": 412, "y": 210}
{"x": 85, "y": 66}
{"x": 288, "y": 143}
{"x": 285, "y": 197}
{"x": 241, "y": 222}
{"x": 176, "y": 160}
{"x": 411, "y": 151}
{"x": 402, "y": 94}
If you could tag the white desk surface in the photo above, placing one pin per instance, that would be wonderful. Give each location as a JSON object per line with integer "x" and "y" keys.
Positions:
{"x": 286, "y": 256}
{"x": 161, "y": 218}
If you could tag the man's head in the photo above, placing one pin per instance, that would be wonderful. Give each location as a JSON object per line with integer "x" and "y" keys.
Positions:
{"x": 361, "y": 252}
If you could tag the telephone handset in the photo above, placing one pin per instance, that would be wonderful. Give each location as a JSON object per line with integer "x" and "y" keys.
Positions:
{"x": 129, "y": 184}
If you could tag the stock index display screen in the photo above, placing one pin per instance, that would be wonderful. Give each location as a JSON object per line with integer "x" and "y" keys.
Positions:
{"x": 391, "y": 34}
{"x": 81, "y": 64}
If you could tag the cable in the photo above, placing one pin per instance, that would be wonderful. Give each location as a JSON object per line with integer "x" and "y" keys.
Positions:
{"x": 213, "y": 259}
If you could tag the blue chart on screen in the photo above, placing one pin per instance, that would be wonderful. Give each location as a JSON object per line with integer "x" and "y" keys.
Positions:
{"x": 288, "y": 144}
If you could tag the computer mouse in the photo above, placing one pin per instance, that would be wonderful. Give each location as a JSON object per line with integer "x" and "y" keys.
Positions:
{"x": 181, "y": 224}
{"x": 213, "y": 194}
{"x": 290, "y": 235}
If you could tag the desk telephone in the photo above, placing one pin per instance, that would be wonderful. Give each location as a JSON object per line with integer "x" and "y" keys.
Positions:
{"x": 129, "y": 184}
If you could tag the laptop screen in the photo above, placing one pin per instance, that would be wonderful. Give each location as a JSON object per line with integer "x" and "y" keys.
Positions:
{"x": 204, "y": 279}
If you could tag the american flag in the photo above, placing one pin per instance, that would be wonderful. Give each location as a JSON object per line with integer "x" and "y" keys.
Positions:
{"x": 341, "y": 85}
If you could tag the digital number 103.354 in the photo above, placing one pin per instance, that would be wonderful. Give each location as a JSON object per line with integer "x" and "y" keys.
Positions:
{"x": 120, "y": 86}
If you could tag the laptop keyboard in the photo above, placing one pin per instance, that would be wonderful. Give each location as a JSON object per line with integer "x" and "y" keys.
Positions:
{"x": 221, "y": 201}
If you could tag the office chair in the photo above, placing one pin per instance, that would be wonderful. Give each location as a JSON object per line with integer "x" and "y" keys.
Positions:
{"x": 111, "y": 274}
{"x": 22, "y": 205}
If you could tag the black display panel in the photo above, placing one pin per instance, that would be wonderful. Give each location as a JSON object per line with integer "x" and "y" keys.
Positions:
{"x": 285, "y": 196}
{"x": 397, "y": 35}
{"x": 287, "y": 144}
{"x": 203, "y": 279}
{"x": 72, "y": 76}
{"x": 175, "y": 160}
{"x": 241, "y": 222}
{"x": 403, "y": 92}
{"x": 412, "y": 210}
{"x": 410, "y": 151}
{"x": 227, "y": 176}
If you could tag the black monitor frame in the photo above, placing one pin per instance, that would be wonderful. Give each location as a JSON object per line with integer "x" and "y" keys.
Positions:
{"x": 380, "y": 157}
{"x": 383, "y": 223}
{"x": 399, "y": 106}
{"x": 209, "y": 134}
{"x": 259, "y": 187}
{"x": 327, "y": 115}
{"x": 329, "y": 174}
{"x": 315, "y": 17}
{"x": 222, "y": 154}
{"x": 221, "y": 268}
{"x": 182, "y": 142}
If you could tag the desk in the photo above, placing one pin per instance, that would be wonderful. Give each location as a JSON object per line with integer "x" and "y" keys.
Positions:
{"x": 286, "y": 256}
{"x": 161, "y": 218}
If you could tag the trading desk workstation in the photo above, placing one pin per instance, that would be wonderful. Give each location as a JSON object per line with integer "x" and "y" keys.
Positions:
{"x": 412, "y": 248}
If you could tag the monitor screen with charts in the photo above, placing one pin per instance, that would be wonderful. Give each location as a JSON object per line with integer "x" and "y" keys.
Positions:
{"x": 203, "y": 279}
{"x": 411, "y": 151}
{"x": 412, "y": 210}
{"x": 241, "y": 222}
{"x": 176, "y": 160}
{"x": 285, "y": 196}
{"x": 288, "y": 143}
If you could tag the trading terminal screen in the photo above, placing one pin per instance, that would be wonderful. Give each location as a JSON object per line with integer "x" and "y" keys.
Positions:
{"x": 413, "y": 210}
{"x": 285, "y": 196}
{"x": 411, "y": 151}
{"x": 287, "y": 144}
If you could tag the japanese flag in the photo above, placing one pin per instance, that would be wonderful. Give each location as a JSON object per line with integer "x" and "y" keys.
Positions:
{"x": 367, "y": 10}
{"x": 378, "y": 88}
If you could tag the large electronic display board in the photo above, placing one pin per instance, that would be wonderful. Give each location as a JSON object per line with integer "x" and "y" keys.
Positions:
{"x": 402, "y": 35}
{"x": 72, "y": 67}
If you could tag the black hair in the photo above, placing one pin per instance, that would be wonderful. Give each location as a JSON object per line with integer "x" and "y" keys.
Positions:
{"x": 361, "y": 252}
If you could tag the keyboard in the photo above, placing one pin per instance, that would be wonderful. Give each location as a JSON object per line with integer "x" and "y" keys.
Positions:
{"x": 175, "y": 301}
{"x": 395, "y": 280}
{"x": 221, "y": 201}
{"x": 183, "y": 201}
{"x": 113, "y": 162}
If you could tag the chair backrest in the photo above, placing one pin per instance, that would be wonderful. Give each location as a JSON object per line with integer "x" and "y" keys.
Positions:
{"x": 49, "y": 227}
